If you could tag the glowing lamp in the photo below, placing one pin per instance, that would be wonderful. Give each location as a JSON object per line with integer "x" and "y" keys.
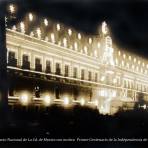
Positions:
{"x": 79, "y": 36}
{"x": 30, "y": 17}
{"x": 58, "y": 27}
{"x": 14, "y": 28}
{"x": 143, "y": 64}
{"x": 24, "y": 99}
{"x": 114, "y": 81}
{"x": 46, "y": 39}
{"x": 116, "y": 61}
{"x": 95, "y": 53}
{"x": 101, "y": 109}
{"x": 122, "y": 63}
{"x": 11, "y": 8}
{"x": 31, "y": 34}
{"x": 104, "y": 28}
{"x": 46, "y": 22}
{"x": 98, "y": 45}
{"x": 90, "y": 40}
{"x": 141, "y": 70}
{"x": 69, "y": 32}
{"x": 102, "y": 78}
{"x": 124, "y": 56}
{"x": 65, "y": 42}
{"x": 47, "y": 100}
{"x": 119, "y": 53}
{"x": 82, "y": 101}
{"x": 76, "y": 46}
{"x": 96, "y": 102}
{"x": 22, "y": 26}
{"x": 144, "y": 106}
{"x": 66, "y": 101}
{"x": 85, "y": 49}
{"x": 38, "y": 32}
{"x": 52, "y": 38}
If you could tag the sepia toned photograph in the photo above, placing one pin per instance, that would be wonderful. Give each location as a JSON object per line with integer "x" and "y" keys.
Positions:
{"x": 74, "y": 72}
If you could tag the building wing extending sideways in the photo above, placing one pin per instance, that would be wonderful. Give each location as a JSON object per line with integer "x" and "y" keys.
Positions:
{"x": 49, "y": 62}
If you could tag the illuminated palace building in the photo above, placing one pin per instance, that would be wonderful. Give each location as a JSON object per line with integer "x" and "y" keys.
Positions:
{"x": 50, "y": 63}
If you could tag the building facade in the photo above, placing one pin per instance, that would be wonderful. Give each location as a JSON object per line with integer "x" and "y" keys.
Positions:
{"x": 56, "y": 64}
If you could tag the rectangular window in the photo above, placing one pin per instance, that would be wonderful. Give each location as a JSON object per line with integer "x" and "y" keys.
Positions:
{"x": 12, "y": 61}
{"x": 11, "y": 55}
{"x": 89, "y": 76}
{"x": 37, "y": 61}
{"x": 66, "y": 70}
{"x": 96, "y": 77}
{"x": 58, "y": 69}
{"x": 48, "y": 66}
{"x": 75, "y": 72}
{"x": 25, "y": 62}
{"x": 38, "y": 66}
{"x": 25, "y": 58}
{"x": 82, "y": 74}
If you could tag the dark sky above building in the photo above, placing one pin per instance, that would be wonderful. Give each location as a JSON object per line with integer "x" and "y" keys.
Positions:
{"x": 127, "y": 19}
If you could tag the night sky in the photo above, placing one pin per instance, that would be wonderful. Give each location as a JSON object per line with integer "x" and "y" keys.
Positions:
{"x": 127, "y": 19}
